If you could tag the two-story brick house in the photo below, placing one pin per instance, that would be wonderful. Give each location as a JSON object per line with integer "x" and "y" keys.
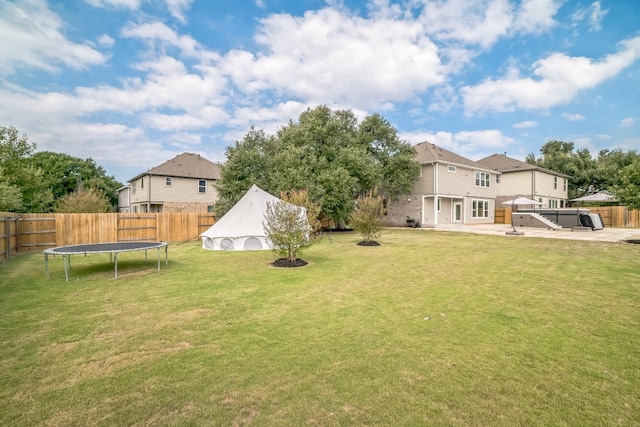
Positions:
{"x": 182, "y": 184}
{"x": 451, "y": 189}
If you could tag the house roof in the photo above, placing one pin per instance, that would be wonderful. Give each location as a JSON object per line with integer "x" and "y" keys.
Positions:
{"x": 430, "y": 153}
{"x": 504, "y": 164}
{"x": 185, "y": 165}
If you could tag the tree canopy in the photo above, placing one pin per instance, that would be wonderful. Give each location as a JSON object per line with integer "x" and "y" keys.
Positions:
{"x": 22, "y": 183}
{"x": 33, "y": 181}
{"x": 328, "y": 153}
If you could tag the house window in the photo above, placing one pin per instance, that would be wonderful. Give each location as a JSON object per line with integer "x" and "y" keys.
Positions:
{"x": 480, "y": 209}
{"x": 482, "y": 179}
{"x": 555, "y": 182}
{"x": 202, "y": 186}
{"x": 497, "y": 179}
{"x": 553, "y": 203}
{"x": 133, "y": 188}
{"x": 451, "y": 169}
{"x": 438, "y": 204}
{"x": 142, "y": 183}
{"x": 564, "y": 185}
{"x": 167, "y": 182}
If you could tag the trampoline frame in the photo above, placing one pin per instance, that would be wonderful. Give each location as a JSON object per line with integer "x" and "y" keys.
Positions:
{"x": 103, "y": 248}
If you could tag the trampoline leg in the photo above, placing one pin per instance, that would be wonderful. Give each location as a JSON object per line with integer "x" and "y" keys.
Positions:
{"x": 166, "y": 255}
{"x": 46, "y": 264}
{"x": 158, "y": 258}
{"x": 145, "y": 255}
{"x": 66, "y": 266}
{"x": 116, "y": 267}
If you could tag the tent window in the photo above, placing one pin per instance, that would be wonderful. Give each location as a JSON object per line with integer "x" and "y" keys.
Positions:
{"x": 208, "y": 243}
{"x": 226, "y": 245}
{"x": 252, "y": 244}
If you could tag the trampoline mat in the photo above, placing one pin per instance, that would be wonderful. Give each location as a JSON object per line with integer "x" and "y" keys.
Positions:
{"x": 104, "y": 247}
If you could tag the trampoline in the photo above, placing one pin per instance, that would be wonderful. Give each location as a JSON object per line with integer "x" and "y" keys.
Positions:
{"x": 113, "y": 249}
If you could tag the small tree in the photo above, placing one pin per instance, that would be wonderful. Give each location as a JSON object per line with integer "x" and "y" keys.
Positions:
{"x": 287, "y": 229}
{"x": 366, "y": 219}
{"x": 10, "y": 197}
{"x": 90, "y": 200}
{"x": 301, "y": 198}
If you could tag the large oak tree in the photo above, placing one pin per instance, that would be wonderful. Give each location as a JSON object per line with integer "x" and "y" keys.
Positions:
{"x": 326, "y": 152}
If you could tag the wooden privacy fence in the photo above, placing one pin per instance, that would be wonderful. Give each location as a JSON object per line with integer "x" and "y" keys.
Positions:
{"x": 29, "y": 232}
{"x": 612, "y": 216}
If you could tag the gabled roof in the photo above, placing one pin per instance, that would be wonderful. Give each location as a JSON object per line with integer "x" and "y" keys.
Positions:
{"x": 185, "y": 165}
{"x": 504, "y": 164}
{"x": 430, "y": 153}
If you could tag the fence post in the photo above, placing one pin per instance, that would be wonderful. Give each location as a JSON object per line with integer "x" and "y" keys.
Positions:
{"x": 7, "y": 226}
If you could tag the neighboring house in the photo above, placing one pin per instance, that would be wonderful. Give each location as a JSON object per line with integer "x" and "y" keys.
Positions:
{"x": 124, "y": 197}
{"x": 182, "y": 184}
{"x": 451, "y": 189}
{"x": 523, "y": 179}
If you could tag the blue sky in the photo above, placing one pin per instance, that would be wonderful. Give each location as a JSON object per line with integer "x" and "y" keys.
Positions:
{"x": 133, "y": 83}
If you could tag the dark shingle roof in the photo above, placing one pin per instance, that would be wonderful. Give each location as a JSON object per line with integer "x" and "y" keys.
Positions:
{"x": 504, "y": 164}
{"x": 428, "y": 153}
{"x": 185, "y": 165}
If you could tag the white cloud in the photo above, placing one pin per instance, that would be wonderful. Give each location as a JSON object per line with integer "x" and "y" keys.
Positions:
{"x": 378, "y": 60}
{"x": 627, "y": 122}
{"x": 32, "y": 36}
{"x": 260, "y": 4}
{"x": 444, "y": 99}
{"x": 177, "y": 8}
{"x": 536, "y": 16}
{"x": 158, "y": 32}
{"x": 473, "y": 22}
{"x": 525, "y": 125}
{"x": 106, "y": 41}
{"x": 593, "y": 15}
{"x": 573, "y": 117}
{"x": 558, "y": 78}
{"x": 119, "y": 4}
{"x": 465, "y": 143}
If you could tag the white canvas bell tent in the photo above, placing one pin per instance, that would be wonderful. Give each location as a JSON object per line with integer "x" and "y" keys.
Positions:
{"x": 242, "y": 228}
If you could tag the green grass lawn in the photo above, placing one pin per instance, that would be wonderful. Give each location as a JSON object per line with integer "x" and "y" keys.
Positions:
{"x": 431, "y": 328}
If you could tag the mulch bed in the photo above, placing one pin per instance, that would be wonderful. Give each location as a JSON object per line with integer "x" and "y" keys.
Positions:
{"x": 370, "y": 243}
{"x": 283, "y": 262}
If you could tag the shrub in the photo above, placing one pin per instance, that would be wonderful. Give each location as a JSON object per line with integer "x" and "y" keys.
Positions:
{"x": 90, "y": 200}
{"x": 366, "y": 219}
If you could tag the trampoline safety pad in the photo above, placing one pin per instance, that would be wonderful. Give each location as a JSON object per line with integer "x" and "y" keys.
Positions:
{"x": 113, "y": 249}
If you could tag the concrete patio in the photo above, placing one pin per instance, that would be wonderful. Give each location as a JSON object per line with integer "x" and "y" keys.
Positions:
{"x": 605, "y": 235}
